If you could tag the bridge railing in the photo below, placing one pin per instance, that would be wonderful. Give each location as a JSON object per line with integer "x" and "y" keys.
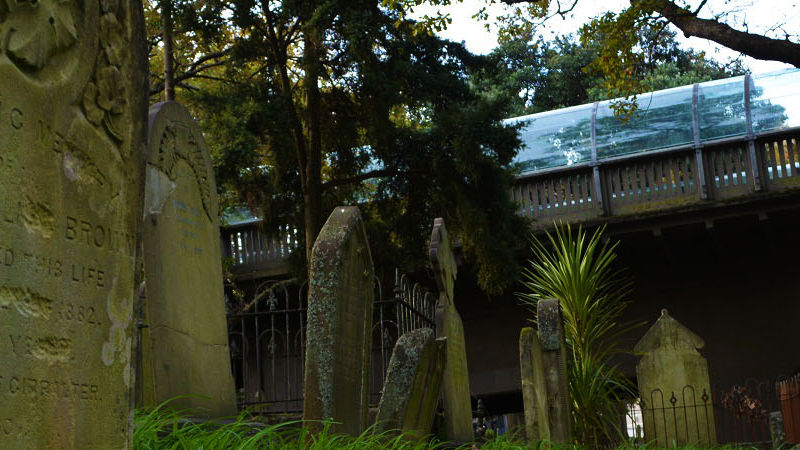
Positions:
{"x": 252, "y": 252}
{"x": 715, "y": 173}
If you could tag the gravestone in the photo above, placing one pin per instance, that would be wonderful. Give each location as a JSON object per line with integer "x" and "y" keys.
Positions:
{"x": 73, "y": 103}
{"x": 185, "y": 343}
{"x": 413, "y": 383}
{"x": 534, "y": 390}
{"x": 674, "y": 386}
{"x": 339, "y": 322}
{"x": 554, "y": 363}
{"x": 455, "y": 384}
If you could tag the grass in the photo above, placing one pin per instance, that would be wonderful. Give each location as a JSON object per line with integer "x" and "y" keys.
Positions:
{"x": 163, "y": 428}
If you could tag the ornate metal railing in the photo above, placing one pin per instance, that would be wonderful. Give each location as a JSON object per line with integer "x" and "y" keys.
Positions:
{"x": 267, "y": 339}
{"x": 255, "y": 254}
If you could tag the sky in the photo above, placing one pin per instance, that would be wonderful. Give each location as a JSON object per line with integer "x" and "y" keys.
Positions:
{"x": 760, "y": 16}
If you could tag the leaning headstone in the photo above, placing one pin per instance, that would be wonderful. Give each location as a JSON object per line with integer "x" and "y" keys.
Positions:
{"x": 534, "y": 390}
{"x": 413, "y": 382}
{"x": 339, "y": 323}
{"x": 674, "y": 386}
{"x": 73, "y": 104}
{"x": 455, "y": 385}
{"x": 554, "y": 362}
{"x": 185, "y": 342}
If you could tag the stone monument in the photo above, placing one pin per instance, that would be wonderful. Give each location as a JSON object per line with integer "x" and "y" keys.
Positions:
{"x": 73, "y": 105}
{"x": 455, "y": 385}
{"x": 185, "y": 343}
{"x": 339, "y": 323}
{"x": 674, "y": 386}
{"x": 554, "y": 363}
{"x": 412, "y": 386}
{"x": 534, "y": 390}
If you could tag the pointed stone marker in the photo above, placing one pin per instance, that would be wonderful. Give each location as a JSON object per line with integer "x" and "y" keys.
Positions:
{"x": 554, "y": 362}
{"x": 413, "y": 384}
{"x": 534, "y": 389}
{"x": 339, "y": 323}
{"x": 455, "y": 385}
{"x": 185, "y": 345}
{"x": 673, "y": 380}
{"x": 73, "y": 106}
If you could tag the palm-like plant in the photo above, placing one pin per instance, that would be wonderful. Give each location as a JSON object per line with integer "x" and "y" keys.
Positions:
{"x": 579, "y": 271}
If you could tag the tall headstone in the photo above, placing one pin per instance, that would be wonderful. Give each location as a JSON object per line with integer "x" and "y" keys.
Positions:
{"x": 185, "y": 344}
{"x": 339, "y": 323}
{"x": 413, "y": 384}
{"x": 554, "y": 362}
{"x": 73, "y": 103}
{"x": 455, "y": 385}
{"x": 534, "y": 389}
{"x": 674, "y": 386}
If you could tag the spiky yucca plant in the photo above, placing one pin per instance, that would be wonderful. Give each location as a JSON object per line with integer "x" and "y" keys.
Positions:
{"x": 579, "y": 271}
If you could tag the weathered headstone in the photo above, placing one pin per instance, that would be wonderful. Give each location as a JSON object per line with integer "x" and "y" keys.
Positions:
{"x": 73, "y": 99}
{"x": 339, "y": 323}
{"x": 455, "y": 384}
{"x": 534, "y": 390}
{"x": 674, "y": 386}
{"x": 186, "y": 340}
{"x": 554, "y": 362}
{"x": 413, "y": 383}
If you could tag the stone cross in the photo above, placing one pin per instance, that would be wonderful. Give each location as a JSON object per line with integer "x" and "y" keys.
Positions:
{"x": 554, "y": 363}
{"x": 457, "y": 404}
{"x": 185, "y": 344}
{"x": 534, "y": 389}
{"x": 73, "y": 106}
{"x": 674, "y": 386}
{"x": 339, "y": 323}
{"x": 412, "y": 386}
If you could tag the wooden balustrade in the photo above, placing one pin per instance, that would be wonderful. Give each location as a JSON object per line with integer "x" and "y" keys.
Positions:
{"x": 252, "y": 252}
{"x": 664, "y": 181}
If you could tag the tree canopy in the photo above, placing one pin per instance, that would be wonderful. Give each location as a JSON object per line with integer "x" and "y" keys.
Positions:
{"x": 308, "y": 105}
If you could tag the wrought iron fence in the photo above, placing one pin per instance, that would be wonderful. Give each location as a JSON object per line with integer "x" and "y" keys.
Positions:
{"x": 736, "y": 415}
{"x": 266, "y": 331}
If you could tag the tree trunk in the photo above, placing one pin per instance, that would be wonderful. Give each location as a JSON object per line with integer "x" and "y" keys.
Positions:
{"x": 166, "y": 37}
{"x": 312, "y": 188}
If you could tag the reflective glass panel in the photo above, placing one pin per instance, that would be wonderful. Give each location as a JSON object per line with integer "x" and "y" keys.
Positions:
{"x": 720, "y": 109}
{"x": 555, "y": 138}
{"x": 662, "y": 119}
{"x": 775, "y": 100}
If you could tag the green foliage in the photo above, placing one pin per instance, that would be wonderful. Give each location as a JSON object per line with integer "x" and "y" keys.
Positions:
{"x": 403, "y": 134}
{"x": 579, "y": 271}
{"x": 162, "y": 428}
{"x": 545, "y": 75}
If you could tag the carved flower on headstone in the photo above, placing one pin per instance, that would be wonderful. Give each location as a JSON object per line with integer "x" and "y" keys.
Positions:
{"x": 43, "y": 28}
{"x": 104, "y": 100}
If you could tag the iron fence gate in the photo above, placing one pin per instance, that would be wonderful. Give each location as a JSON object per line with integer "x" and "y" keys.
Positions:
{"x": 266, "y": 334}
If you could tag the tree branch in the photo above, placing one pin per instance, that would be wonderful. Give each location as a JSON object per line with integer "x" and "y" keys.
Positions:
{"x": 366, "y": 176}
{"x": 754, "y": 45}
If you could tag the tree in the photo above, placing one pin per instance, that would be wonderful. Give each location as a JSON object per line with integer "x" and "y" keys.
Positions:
{"x": 548, "y": 75}
{"x": 621, "y": 52}
{"x": 326, "y": 103}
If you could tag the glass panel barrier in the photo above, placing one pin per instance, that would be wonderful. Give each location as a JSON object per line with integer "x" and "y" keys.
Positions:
{"x": 662, "y": 119}
{"x": 720, "y": 109}
{"x": 775, "y": 100}
{"x": 555, "y": 138}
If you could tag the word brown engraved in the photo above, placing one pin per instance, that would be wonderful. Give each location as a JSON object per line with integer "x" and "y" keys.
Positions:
{"x": 98, "y": 236}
